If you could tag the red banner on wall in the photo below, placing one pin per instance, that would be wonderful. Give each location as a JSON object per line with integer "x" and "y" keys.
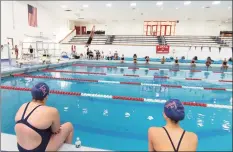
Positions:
{"x": 162, "y": 49}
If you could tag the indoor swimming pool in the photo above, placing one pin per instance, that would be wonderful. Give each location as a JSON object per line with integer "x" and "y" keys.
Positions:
{"x": 112, "y": 107}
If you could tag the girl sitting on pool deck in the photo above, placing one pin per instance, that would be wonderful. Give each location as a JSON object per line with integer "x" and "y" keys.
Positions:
{"x": 172, "y": 137}
{"x": 38, "y": 126}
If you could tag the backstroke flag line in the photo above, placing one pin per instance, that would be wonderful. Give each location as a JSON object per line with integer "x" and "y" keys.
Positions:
{"x": 32, "y": 16}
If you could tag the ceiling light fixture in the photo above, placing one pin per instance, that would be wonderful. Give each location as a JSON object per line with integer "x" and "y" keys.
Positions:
{"x": 187, "y": 2}
{"x": 133, "y": 4}
{"x": 159, "y": 3}
{"x": 63, "y": 6}
{"x": 85, "y": 6}
{"x": 216, "y": 2}
{"x": 109, "y": 5}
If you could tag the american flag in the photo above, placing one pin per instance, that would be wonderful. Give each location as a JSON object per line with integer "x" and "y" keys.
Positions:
{"x": 32, "y": 16}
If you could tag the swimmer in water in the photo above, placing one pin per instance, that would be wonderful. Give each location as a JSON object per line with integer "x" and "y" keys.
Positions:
{"x": 193, "y": 64}
{"x": 163, "y": 60}
{"x": 135, "y": 58}
{"x": 176, "y": 61}
{"x": 122, "y": 58}
{"x": 224, "y": 64}
{"x": 47, "y": 134}
{"x": 172, "y": 137}
{"x": 208, "y": 63}
{"x": 147, "y": 59}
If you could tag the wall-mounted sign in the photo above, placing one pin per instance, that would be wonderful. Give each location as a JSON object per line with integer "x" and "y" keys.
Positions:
{"x": 162, "y": 49}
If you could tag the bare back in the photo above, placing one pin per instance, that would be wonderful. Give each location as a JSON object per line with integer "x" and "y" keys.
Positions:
{"x": 159, "y": 141}
{"x": 41, "y": 118}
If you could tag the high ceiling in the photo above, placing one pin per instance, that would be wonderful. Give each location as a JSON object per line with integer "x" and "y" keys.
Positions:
{"x": 110, "y": 11}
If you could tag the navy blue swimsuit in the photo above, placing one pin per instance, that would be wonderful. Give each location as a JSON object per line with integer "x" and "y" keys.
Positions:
{"x": 44, "y": 133}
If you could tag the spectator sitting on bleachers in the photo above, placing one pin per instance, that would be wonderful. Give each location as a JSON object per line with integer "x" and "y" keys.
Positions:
{"x": 182, "y": 58}
{"x": 122, "y": 58}
{"x": 224, "y": 64}
{"x": 163, "y": 60}
{"x": 135, "y": 58}
{"x": 147, "y": 58}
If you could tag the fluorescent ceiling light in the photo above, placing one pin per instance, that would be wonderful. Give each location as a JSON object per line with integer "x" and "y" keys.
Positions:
{"x": 187, "y": 2}
{"x": 85, "y": 6}
{"x": 216, "y": 2}
{"x": 159, "y": 3}
{"x": 133, "y": 4}
{"x": 63, "y": 6}
{"x": 109, "y": 5}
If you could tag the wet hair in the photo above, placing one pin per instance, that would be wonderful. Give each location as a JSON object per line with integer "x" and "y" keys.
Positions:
{"x": 176, "y": 122}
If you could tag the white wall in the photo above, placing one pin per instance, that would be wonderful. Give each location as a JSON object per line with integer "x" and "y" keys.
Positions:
{"x": 143, "y": 51}
{"x": 14, "y": 23}
{"x": 182, "y": 28}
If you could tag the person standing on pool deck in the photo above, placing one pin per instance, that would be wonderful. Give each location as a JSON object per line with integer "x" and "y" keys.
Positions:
{"x": 16, "y": 52}
{"x": 172, "y": 137}
{"x": 38, "y": 126}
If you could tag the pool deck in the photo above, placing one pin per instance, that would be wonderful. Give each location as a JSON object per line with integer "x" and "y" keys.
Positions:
{"x": 9, "y": 143}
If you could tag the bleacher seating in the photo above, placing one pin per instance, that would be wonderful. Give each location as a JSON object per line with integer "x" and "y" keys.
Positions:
{"x": 82, "y": 39}
{"x": 226, "y": 40}
{"x": 143, "y": 40}
{"x": 99, "y": 39}
{"x": 135, "y": 40}
{"x": 192, "y": 40}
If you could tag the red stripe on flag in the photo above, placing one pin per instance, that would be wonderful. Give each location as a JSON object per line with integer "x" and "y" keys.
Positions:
{"x": 35, "y": 17}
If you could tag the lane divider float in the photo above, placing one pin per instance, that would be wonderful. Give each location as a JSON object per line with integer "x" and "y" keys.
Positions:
{"x": 136, "y": 68}
{"x": 186, "y": 103}
{"x": 119, "y": 82}
{"x": 132, "y": 75}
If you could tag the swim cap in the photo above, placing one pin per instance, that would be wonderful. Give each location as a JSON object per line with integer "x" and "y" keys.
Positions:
{"x": 174, "y": 110}
{"x": 40, "y": 91}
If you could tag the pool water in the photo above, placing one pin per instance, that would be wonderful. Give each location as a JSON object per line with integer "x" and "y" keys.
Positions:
{"x": 123, "y": 125}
